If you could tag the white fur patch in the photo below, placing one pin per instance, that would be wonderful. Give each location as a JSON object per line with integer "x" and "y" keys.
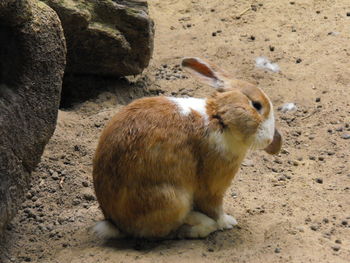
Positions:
{"x": 185, "y": 106}
{"x": 265, "y": 132}
{"x": 106, "y": 230}
{"x": 228, "y": 144}
{"x": 226, "y": 222}
{"x": 198, "y": 226}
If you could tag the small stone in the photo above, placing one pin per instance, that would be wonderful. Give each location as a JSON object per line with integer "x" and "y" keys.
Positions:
{"x": 55, "y": 176}
{"x": 76, "y": 202}
{"x": 295, "y": 163}
{"x": 318, "y": 11}
{"x": 85, "y": 183}
{"x": 299, "y": 60}
{"x": 336, "y": 248}
{"x": 325, "y": 220}
{"x": 319, "y": 180}
{"x": 213, "y": 34}
{"x": 338, "y": 241}
{"x": 318, "y": 99}
{"x": 312, "y": 158}
{"x": 252, "y": 37}
{"x": 210, "y": 249}
{"x": 314, "y": 228}
{"x": 272, "y": 48}
{"x": 89, "y": 197}
{"x": 345, "y": 136}
{"x": 344, "y": 223}
{"x": 321, "y": 158}
{"x": 347, "y": 13}
{"x": 292, "y": 2}
{"x": 277, "y": 250}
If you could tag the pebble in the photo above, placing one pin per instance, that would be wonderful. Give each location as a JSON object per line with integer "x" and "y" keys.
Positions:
{"x": 314, "y": 228}
{"x": 338, "y": 241}
{"x": 336, "y": 248}
{"x": 344, "y": 223}
{"x": 318, "y": 99}
{"x": 345, "y": 136}
{"x": 29, "y": 196}
{"x": 76, "y": 202}
{"x": 299, "y": 60}
{"x": 319, "y": 180}
{"x": 347, "y": 13}
{"x": 85, "y": 183}
{"x": 277, "y": 250}
{"x": 89, "y": 197}
{"x": 55, "y": 176}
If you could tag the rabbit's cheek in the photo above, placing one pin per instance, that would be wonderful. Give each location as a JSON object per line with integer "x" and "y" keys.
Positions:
{"x": 265, "y": 133}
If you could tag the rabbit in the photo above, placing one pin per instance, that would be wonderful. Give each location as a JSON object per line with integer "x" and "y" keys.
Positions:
{"x": 163, "y": 164}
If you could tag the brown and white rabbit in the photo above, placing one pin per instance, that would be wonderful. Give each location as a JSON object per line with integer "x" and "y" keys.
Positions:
{"x": 163, "y": 165}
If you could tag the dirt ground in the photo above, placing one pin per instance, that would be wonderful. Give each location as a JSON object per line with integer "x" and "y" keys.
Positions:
{"x": 294, "y": 207}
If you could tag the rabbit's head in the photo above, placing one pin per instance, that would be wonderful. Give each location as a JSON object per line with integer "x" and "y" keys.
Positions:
{"x": 238, "y": 107}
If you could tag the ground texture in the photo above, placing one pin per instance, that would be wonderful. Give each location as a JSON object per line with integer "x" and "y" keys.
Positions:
{"x": 294, "y": 207}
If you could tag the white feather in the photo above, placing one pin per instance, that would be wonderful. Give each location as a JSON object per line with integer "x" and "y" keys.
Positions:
{"x": 264, "y": 63}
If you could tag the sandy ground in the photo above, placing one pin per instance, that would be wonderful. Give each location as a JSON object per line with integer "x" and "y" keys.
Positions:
{"x": 294, "y": 207}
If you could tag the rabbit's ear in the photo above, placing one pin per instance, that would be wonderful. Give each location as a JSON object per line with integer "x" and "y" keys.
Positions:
{"x": 206, "y": 72}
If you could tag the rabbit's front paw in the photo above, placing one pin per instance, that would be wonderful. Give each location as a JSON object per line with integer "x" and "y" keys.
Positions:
{"x": 226, "y": 222}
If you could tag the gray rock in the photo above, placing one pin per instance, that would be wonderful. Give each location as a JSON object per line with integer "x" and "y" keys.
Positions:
{"x": 106, "y": 37}
{"x": 32, "y": 52}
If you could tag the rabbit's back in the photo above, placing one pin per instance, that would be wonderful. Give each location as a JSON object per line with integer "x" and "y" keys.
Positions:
{"x": 146, "y": 161}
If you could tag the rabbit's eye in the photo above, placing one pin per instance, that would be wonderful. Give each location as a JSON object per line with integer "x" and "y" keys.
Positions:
{"x": 257, "y": 105}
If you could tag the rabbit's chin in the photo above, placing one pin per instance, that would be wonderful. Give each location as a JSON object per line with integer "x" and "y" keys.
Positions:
{"x": 265, "y": 134}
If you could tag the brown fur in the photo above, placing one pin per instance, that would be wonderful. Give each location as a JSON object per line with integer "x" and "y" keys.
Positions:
{"x": 154, "y": 165}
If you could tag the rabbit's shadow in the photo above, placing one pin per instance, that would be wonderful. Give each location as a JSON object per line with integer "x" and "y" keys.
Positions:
{"x": 218, "y": 240}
